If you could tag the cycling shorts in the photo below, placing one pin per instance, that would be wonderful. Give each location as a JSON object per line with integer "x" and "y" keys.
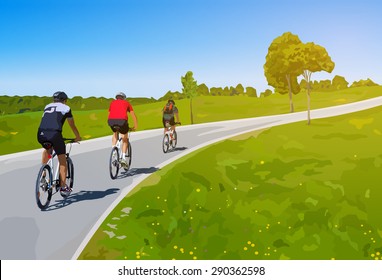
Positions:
{"x": 171, "y": 121}
{"x": 120, "y": 125}
{"x": 54, "y": 138}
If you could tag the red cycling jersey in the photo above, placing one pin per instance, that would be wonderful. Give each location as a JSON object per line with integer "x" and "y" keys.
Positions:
{"x": 118, "y": 109}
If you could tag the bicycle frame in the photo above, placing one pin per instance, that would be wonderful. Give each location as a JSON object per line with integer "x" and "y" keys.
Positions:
{"x": 56, "y": 175}
{"x": 169, "y": 138}
{"x": 115, "y": 161}
{"x": 48, "y": 177}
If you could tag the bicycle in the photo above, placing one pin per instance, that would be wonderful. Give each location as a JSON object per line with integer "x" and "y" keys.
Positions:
{"x": 116, "y": 157}
{"x": 170, "y": 138}
{"x": 47, "y": 182}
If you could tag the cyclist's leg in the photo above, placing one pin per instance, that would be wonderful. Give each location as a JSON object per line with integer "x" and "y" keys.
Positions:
{"x": 43, "y": 137}
{"x": 164, "y": 126}
{"x": 60, "y": 149}
{"x": 114, "y": 138}
{"x": 172, "y": 122}
{"x": 45, "y": 156}
{"x": 115, "y": 135}
{"x": 124, "y": 131}
{"x": 125, "y": 143}
{"x": 62, "y": 163}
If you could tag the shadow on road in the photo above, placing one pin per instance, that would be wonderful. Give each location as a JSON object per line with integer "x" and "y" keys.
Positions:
{"x": 137, "y": 171}
{"x": 80, "y": 196}
{"x": 177, "y": 149}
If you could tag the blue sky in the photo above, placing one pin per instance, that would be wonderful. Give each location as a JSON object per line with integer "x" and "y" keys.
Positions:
{"x": 141, "y": 47}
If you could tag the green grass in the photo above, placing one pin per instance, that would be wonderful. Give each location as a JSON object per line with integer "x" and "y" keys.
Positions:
{"x": 289, "y": 192}
{"x": 18, "y": 132}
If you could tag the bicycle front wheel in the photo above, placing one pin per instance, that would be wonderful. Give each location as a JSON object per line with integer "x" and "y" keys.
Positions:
{"x": 166, "y": 143}
{"x": 43, "y": 190}
{"x": 174, "y": 139}
{"x": 69, "y": 172}
{"x": 129, "y": 156}
{"x": 114, "y": 163}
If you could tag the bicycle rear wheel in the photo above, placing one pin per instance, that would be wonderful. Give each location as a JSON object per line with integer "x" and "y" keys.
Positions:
{"x": 114, "y": 163}
{"x": 166, "y": 143}
{"x": 43, "y": 190}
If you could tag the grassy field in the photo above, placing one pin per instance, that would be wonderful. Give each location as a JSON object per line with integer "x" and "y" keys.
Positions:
{"x": 289, "y": 192}
{"x": 18, "y": 131}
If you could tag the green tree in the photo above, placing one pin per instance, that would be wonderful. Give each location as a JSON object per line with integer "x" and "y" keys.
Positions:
{"x": 312, "y": 58}
{"x": 226, "y": 91}
{"x": 203, "y": 90}
{"x": 250, "y": 91}
{"x": 266, "y": 93}
{"x": 216, "y": 91}
{"x": 363, "y": 83}
{"x": 339, "y": 82}
{"x": 280, "y": 69}
{"x": 240, "y": 89}
{"x": 175, "y": 95}
{"x": 190, "y": 87}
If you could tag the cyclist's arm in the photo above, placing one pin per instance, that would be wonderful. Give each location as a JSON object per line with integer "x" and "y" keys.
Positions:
{"x": 177, "y": 117}
{"x": 74, "y": 128}
{"x": 134, "y": 120}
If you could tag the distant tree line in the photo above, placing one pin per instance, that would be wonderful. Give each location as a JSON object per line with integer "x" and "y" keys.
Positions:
{"x": 203, "y": 90}
{"x": 22, "y": 104}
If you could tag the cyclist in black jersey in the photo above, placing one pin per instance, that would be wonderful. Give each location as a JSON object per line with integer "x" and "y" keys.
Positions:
{"x": 50, "y": 131}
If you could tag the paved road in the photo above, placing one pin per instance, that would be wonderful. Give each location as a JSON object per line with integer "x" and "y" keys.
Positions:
{"x": 63, "y": 229}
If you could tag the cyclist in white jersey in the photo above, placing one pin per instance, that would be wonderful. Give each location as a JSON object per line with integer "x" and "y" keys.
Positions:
{"x": 49, "y": 133}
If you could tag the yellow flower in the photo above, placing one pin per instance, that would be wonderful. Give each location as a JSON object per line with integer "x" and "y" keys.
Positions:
{"x": 256, "y": 252}
{"x": 262, "y": 162}
{"x": 191, "y": 253}
{"x": 197, "y": 190}
{"x": 378, "y": 253}
{"x": 175, "y": 247}
{"x": 249, "y": 242}
{"x": 253, "y": 245}
{"x": 245, "y": 248}
{"x": 195, "y": 258}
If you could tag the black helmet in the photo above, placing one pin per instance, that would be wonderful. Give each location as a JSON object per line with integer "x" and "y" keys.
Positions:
{"x": 120, "y": 94}
{"x": 171, "y": 101}
{"x": 60, "y": 96}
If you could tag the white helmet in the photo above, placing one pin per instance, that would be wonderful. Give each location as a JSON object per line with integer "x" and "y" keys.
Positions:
{"x": 121, "y": 94}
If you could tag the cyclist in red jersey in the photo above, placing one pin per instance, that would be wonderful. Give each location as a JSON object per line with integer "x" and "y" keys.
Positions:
{"x": 118, "y": 121}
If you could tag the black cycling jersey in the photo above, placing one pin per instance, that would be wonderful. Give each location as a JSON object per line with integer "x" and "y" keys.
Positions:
{"x": 54, "y": 116}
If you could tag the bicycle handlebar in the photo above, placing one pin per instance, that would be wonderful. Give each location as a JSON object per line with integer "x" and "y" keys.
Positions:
{"x": 70, "y": 140}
